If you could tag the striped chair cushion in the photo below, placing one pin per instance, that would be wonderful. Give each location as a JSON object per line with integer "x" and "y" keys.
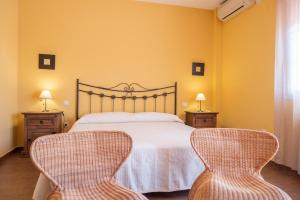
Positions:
{"x": 103, "y": 191}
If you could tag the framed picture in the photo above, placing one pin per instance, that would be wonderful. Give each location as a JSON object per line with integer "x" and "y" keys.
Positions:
{"x": 47, "y": 61}
{"x": 198, "y": 69}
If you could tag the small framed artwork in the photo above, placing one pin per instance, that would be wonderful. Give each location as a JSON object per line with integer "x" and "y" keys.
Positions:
{"x": 47, "y": 61}
{"x": 198, "y": 69}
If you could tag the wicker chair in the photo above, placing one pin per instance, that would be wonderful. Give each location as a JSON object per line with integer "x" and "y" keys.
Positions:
{"x": 234, "y": 159}
{"x": 82, "y": 165}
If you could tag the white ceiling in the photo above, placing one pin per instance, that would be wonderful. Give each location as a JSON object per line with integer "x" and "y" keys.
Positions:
{"x": 205, "y": 4}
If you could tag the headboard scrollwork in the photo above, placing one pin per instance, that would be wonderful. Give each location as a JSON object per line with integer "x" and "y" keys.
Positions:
{"x": 123, "y": 93}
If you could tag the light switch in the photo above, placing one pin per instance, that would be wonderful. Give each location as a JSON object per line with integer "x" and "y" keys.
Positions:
{"x": 185, "y": 104}
{"x": 66, "y": 103}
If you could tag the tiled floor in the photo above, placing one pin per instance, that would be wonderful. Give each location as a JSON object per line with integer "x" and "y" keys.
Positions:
{"x": 18, "y": 178}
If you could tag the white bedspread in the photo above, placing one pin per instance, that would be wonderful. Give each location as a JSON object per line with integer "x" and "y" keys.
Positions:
{"x": 162, "y": 159}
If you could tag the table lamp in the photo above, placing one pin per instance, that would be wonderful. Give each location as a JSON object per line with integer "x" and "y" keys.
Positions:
{"x": 45, "y": 95}
{"x": 200, "y": 97}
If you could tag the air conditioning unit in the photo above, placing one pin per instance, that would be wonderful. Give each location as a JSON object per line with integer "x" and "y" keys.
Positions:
{"x": 231, "y": 8}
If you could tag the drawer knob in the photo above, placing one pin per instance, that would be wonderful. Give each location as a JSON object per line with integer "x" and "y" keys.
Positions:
{"x": 204, "y": 120}
{"x": 41, "y": 121}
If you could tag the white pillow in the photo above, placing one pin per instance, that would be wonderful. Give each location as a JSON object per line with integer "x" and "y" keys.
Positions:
{"x": 123, "y": 117}
{"x": 105, "y": 117}
{"x": 155, "y": 117}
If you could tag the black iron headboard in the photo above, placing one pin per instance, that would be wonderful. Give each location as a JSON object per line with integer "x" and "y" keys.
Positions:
{"x": 125, "y": 92}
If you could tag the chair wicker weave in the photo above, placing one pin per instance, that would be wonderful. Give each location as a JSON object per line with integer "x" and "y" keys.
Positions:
{"x": 234, "y": 159}
{"x": 82, "y": 165}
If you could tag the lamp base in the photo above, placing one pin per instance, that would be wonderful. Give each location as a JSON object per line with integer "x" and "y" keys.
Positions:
{"x": 45, "y": 106}
{"x": 200, "y": 107}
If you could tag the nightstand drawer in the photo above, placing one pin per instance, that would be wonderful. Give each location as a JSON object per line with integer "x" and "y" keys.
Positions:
{"x": 205, "y": 121}
{"x": 35, "y": 133}
{"x": 40, "y": 122}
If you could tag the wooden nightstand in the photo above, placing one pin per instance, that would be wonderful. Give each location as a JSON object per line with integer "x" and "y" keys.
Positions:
{"x": 201, "y": 119}
{"x": 38, "y": 124}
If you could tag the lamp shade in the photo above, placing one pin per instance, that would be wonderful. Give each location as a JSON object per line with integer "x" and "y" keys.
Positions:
{"x": 200, "y": 97}
{"x": 46, "y": 94}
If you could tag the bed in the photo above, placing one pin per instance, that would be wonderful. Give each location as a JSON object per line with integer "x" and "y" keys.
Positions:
{"x": 162, "y": 159}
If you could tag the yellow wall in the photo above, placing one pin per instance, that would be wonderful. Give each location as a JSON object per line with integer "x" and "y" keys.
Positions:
{"x": 248, "y": 68}
{"x": 110, "y": 41}
{"x": 8, "y": 75}
{"x": 217, "y": 67}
